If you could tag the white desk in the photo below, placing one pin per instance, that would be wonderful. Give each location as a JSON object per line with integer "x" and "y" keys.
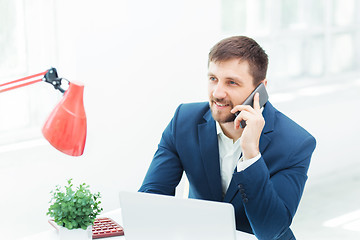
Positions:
{"x": 116, "y": 216}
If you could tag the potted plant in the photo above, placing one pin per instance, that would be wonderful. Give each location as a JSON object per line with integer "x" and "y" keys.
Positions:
{"x": 74, "y": 211}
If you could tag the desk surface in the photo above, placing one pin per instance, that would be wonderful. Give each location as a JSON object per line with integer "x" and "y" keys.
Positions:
{"x": 116, "y": 216}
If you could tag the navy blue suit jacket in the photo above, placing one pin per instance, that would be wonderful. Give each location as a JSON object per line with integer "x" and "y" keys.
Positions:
{"x": 265, "y": 196}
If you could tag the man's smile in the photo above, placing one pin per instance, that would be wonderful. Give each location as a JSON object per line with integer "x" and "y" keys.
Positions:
{"x": 221, "y": 106}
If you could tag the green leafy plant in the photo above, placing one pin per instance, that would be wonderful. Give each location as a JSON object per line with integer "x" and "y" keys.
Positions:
{"x": 74, "y": 208}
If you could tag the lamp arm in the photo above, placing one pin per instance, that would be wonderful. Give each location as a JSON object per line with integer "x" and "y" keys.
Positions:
{"x": 50, "y": 76}
{"x": 19, "y": 82}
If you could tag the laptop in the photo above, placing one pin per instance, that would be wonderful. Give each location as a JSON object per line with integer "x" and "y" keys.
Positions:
{"x": 151, "y": 216}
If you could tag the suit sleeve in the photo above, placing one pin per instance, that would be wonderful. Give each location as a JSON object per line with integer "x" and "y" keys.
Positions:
{"x": 270, "y": 202}
{"x": 165, "y": 170}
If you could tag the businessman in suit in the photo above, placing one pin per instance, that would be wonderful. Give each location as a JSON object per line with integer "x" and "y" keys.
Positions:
{"x": 261, "y": 169}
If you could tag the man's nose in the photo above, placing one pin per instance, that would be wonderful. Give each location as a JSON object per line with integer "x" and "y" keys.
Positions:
{"x": 219, "y": 91}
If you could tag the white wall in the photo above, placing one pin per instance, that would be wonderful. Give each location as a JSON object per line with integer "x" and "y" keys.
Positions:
{"x": 138, "y": 60}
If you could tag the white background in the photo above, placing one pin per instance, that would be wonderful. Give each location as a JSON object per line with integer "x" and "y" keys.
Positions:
{"x": 139, "y": 60}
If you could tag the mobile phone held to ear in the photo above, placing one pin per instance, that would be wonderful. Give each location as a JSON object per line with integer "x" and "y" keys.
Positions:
{"x": 263, "y": 98}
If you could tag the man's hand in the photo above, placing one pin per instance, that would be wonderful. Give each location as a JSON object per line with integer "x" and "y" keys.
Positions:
{"x": 255, "y": 122}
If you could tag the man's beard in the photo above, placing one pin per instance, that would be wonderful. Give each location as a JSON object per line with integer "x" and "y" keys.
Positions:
{"x": 223, "y": 118}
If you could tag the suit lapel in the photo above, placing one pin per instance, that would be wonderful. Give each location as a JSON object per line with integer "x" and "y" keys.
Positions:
{"x": 210, "y": 155}
{"x": 269, "y": 116}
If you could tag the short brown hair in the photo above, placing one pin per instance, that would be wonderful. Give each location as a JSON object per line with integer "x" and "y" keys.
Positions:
{"x": 244, "y": 48}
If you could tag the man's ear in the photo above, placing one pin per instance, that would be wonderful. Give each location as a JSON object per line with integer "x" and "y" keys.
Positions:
{"x": 265, "y": 82}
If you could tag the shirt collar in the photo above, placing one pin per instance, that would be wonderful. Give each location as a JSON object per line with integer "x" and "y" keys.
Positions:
{"x": 218, "y": 128}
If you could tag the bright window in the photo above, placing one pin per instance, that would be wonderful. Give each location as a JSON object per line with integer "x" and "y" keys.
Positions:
{"x": 304, "y": 39}
{"x": 27, "y": 46}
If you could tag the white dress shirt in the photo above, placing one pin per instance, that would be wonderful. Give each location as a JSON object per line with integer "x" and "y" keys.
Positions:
{"x": 230, "y": 156}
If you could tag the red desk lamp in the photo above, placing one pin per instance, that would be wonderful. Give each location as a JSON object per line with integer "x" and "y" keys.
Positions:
{"x": 65, "y": 128}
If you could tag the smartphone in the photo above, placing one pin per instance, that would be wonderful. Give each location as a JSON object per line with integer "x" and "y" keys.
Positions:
{"x": 263, "y": 98}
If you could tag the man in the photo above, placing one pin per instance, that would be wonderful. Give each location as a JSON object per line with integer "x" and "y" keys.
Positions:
{"x": 260, "y": 169}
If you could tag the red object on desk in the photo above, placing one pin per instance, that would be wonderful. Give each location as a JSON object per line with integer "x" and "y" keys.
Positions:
{"x": 106, "y": 227}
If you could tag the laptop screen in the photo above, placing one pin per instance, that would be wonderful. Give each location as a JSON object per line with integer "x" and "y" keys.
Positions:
{"x": 151, "y": 216}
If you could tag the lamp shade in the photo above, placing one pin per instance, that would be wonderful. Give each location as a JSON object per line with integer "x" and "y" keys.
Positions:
{"x": 65, "y": 128}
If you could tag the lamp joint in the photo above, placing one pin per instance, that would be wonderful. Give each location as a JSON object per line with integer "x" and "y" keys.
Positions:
{"x": 52, "y": 77}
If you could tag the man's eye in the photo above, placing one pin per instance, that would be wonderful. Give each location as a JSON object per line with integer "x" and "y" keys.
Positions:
{"x": 212, "y": 79}
{"x": 232, "y": 83}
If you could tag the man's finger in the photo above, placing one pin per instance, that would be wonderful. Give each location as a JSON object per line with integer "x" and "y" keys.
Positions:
{"x": 243, "y": 116}
{"x": 240, "y": 108}
{"x": 256, "y": 102}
